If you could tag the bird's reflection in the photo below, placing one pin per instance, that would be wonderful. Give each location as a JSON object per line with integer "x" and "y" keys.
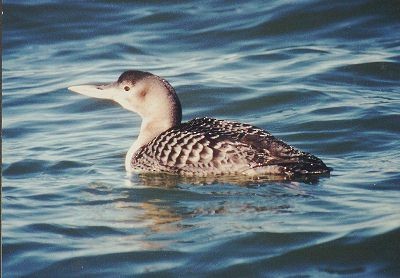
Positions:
{"x": 161, "y": 217}
{"x": 160, "y": 199}
{"x": 168, "y": 180}
{"x": 146, "y": 208}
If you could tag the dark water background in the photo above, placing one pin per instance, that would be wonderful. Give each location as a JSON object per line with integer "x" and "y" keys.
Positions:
{"x": 322, "y": 75}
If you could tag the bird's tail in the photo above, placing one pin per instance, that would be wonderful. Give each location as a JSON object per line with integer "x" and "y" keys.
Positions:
{"x": 306, "y": 164}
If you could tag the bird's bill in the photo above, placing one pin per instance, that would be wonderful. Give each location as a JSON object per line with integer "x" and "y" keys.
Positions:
{"x": 97, "y": 91}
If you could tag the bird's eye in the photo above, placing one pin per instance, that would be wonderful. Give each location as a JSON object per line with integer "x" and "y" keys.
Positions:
{"x": 126, "y": 88}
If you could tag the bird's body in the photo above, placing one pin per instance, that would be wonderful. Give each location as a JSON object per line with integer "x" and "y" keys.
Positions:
{"x": 206, "y": 146}
{"x": 200, "y": 147}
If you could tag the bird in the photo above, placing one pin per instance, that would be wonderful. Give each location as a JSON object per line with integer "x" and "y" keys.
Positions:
{"x": 201, "y": 147}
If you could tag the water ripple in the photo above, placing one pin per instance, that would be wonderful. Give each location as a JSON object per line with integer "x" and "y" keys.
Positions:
{"x": 321, "y": 75}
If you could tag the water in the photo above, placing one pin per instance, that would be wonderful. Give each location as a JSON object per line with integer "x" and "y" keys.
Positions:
{"x": 322, "y": 75}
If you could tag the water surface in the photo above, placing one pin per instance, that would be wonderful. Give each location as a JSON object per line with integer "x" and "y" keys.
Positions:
{"x": 324, "y": 76}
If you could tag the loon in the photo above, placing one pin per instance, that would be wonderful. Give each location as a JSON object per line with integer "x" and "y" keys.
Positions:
{"x": 201, "y": 147}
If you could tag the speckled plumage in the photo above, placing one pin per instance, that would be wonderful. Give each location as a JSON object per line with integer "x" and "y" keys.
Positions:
{"x": 206, "y": 146}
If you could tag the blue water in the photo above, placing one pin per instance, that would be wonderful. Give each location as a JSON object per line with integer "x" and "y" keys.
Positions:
{"x": 322, "y": 75}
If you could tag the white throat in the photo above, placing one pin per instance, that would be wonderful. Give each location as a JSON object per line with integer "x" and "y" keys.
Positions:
{"x": 148, "y": 131}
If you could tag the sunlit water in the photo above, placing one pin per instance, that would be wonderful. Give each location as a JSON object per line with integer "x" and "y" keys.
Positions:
{"x": 322, "y": 75}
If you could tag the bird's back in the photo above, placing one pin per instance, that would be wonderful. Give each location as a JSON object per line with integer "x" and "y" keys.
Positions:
{"x": 206, "y": 146}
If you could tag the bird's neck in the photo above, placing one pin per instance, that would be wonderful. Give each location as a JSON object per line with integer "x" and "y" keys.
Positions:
{"x": 149, "y": 130}
{"x": 163, "y": 111}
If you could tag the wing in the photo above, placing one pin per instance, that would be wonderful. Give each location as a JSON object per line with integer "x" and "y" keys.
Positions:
{"x": 208, "y": 146}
